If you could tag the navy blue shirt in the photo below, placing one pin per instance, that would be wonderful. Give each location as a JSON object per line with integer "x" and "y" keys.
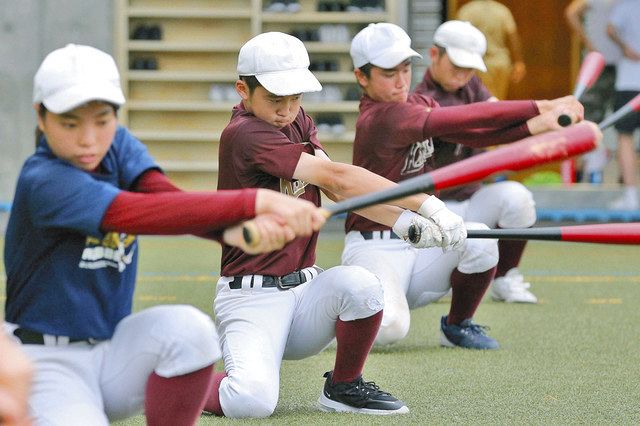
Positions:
{"x": 64, "y": 275}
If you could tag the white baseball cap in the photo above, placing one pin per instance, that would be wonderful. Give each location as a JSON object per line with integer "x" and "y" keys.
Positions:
{"x": 383, "y": 45}
{"x": 280, "y": 62}
{"x": 74, "y": 75}
{"x": 464, "y": 43}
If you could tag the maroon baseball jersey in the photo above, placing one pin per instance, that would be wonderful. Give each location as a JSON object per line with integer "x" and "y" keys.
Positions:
{"x": 395, "y": 139}
{"x": 448, "y": 153}
{"x": 255, "y": 154}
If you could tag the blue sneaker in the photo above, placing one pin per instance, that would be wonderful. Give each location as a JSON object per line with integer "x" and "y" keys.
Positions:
{"x": 465, "y": 335}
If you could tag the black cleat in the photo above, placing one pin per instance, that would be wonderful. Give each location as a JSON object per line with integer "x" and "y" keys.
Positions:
{"x": 358, "y": 397}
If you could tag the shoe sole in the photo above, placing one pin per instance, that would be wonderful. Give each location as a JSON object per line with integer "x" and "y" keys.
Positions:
{"x": 448, "y": 344}
{"x": 330, "y": 406}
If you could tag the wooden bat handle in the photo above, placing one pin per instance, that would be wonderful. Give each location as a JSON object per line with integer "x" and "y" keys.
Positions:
{"x": 251, "y": 235}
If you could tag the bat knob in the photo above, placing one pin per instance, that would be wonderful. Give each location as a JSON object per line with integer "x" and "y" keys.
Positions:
{"x": 246, "y": 234}
{"x": 414, "y": 234}
{"x": 564, "y": 120}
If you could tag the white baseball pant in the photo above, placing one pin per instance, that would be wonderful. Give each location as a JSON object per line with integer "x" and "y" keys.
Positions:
{"x": 261, "y": 326}
{"x": 85, "y": 385}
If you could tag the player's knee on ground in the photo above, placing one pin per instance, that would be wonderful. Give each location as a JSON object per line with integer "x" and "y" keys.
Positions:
{"x": 189, "y": 339}
{"x": 480, "y": 254}
{"x": 245, "y": 397}
{"x": 358, "y": 292}
{"x": 394, "y": 327}
{"x": 518, "y": 206}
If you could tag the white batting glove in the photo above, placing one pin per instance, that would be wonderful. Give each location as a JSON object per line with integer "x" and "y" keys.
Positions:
{"x": 454, "y": 232}
{"x": 417, "y": 230}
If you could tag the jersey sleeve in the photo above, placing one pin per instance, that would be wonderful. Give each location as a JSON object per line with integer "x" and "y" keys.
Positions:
{"x": 65, "y": 197}
{"x": 508, "y": 20}
{"x": 478, "y": 117}
{"x": 131, "y": 156}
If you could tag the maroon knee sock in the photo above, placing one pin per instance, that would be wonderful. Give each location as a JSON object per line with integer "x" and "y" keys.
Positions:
{"x": 212, "y": 404}
{"x": 510, "y": 252}
{"x": 355, "y": 339}
{"x": 467, "y": 291}
{"x": 176, "y": 400}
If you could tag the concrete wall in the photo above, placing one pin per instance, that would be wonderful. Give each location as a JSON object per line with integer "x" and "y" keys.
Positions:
{"x": 29, "y": 29}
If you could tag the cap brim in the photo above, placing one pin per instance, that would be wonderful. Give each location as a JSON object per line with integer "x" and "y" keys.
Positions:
{"x": 394, "y": 56}
{"x": 80, "y": 94}
{"x": 289, "y": 82}
{"x": 465, "y": 59}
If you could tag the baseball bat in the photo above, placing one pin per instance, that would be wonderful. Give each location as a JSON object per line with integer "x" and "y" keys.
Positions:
{"x": 590, "y": 70}
{"x": 526, "y": 153}
{"x": 628, "y": 108}
{"x": 606, "y": 233}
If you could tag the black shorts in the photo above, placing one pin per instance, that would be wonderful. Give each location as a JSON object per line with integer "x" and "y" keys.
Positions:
{"x": 631, "y": 121}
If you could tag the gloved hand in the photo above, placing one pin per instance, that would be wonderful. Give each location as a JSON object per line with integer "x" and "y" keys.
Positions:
{"x": 454, "y": 232}
{"x": 418, "y": 231}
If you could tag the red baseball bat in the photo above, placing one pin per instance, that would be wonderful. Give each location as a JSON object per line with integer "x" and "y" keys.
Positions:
{"x": 606, "y": 233}
{"x": 526, "y": 153}
{"x": 590, "y": 70}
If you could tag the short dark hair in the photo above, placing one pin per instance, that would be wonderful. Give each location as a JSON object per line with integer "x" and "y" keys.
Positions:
{"x": 251, "y": 81}
{"x": 441, "y": 50}
{"x": 366, "y": 69}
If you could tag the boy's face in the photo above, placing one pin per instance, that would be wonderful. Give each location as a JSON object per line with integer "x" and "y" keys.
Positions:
{"x": 81, "y": 136}
{"x": 451, "y": 77}
{"x": 387, "y": 85}
{"x": 279, "y": 111}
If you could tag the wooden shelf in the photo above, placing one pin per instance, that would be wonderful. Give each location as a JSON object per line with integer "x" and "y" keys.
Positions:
{"x": 169, "y": 109}
{"x": 218, "y": 106}
{"x": 188, "y": 12}
{"x": 319, "y": 47}
{"x": 168, "y": 136}
{"x": 324, "y": 17}
{"x": 189, "y": 166}
{"x": 183, "y": 46}
{"x": 176, "y": 76}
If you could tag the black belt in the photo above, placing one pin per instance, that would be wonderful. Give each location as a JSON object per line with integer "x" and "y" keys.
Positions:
{"x": 284, "y": 282}
{"x": 378, "y": 235}
{"x": 29, "y": 337}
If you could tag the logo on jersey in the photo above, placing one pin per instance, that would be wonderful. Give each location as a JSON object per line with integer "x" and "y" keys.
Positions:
{"x": 417, "y": 156}
{"x": 115, "y": 250}
{"x": 294, "y": 188}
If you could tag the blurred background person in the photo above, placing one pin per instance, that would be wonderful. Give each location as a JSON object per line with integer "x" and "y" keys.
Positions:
{"x": 624, "y": 30}
{"x": 504, "y": 58}
{"x": 588, "y": 19}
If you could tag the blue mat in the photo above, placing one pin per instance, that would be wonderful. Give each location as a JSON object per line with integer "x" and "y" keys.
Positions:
{"x": 587, "y": 215}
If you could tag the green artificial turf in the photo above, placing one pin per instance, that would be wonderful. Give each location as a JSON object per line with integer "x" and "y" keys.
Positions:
{"x": 574, "y": 358}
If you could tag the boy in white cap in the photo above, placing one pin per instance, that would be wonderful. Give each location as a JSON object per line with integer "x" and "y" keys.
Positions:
{"x": 281, "y": 306}
{"x": 394, "y": 138}
{"x": 451, "y": 80}
{"x": 71, "y": 254}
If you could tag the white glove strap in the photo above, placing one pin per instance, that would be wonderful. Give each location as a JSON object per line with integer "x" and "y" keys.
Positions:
{"x": 401, "y": 227}
{"x": 430, "y": 206}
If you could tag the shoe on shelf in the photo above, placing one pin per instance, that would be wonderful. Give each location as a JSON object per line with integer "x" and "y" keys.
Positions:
{"x": 466, "y": 335}
{"x": 276, "y": 6}
{"x": 512, "y": 288}
{"x": 358, "y": 397}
